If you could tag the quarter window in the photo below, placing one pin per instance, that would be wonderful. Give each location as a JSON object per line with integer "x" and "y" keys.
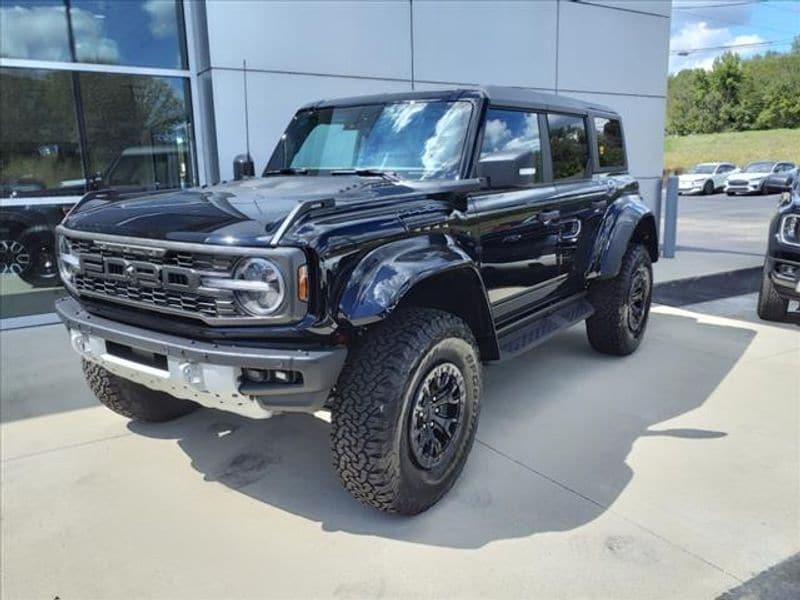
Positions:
{"x": 514, "y": 131}
{"x": 610, "y": 147}
{"x": 568, "y": 146}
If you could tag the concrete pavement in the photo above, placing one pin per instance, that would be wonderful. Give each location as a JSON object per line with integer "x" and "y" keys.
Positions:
{"x": 673, "y": 473}
{"x": 718, "y": 233}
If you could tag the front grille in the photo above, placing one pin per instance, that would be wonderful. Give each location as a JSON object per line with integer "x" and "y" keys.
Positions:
{"x": 155, "y": 278}
{"x": 737, "y": 182}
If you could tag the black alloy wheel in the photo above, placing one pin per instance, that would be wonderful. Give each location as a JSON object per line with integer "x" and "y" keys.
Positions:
{"x": 638, "y": 299}
{"x": 435, "y": 416}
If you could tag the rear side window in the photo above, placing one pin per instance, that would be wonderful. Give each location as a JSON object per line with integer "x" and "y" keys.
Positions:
{"x": 568, "y": 146}
{"x": 513, "y": 131}
{"x": 610, "y": 147}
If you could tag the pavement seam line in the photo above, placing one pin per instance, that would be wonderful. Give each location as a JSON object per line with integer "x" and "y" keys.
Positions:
{"x": 609, "y": 509}
{"x": 65, "y": 447}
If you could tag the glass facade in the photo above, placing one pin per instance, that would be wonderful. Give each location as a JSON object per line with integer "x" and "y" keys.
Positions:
{"x": 67, "y": 129}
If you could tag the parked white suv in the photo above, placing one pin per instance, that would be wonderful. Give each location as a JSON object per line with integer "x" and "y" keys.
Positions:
{"x": 750, "y": 180}
{"x": 705, "y": 178}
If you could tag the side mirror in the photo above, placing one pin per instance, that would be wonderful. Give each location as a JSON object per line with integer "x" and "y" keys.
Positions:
{"x": 508, "y": 169}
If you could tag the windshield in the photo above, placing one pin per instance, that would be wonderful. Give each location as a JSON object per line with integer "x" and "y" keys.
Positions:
{"x": 415, "y": 140}
{"x": 702, "y": 170}
{"x": 759, "y": 167}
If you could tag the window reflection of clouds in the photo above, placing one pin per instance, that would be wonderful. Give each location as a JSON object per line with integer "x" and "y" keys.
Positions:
{"x": 511, "y": 131}
{"x": 135, "y": 32}
{"x": 401, "y": 114}
{"x": 442, "y": 149}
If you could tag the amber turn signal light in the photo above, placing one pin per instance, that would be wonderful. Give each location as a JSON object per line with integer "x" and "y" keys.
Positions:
{"x": 302, "y": 283}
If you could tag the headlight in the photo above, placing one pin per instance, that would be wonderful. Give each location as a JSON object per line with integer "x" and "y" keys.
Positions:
{"x": 260, "y": 288}
{"x": 790, "y": 230}
{"x": 68, "y": 262}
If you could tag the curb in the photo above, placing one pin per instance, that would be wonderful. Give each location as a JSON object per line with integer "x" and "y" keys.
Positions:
{"x": 693, "y": 290}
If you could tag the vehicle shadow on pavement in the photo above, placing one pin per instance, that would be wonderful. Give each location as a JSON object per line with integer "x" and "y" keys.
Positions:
{"x": 556, "y": 428}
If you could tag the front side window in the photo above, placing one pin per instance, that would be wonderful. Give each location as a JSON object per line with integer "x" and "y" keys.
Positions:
{"x": 568, "y": 146}
{"x": 416, "y": 140}
{"x": 610, "y": 146}
{"x": 513, "y": 131}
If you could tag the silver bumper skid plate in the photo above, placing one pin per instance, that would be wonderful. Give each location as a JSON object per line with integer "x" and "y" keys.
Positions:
{"x": 205, "y": 372}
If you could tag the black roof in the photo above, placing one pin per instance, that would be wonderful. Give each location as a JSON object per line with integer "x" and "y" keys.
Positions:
{"x": 514, "y": 97}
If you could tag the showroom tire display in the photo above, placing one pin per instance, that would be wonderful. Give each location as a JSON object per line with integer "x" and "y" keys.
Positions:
{"x": 622, "y": 305}
{"x": 131, "y": 399}
{"x": 771, "y": 307}
{"x": 406, "y": 410}
{"x": 708, "y": 188}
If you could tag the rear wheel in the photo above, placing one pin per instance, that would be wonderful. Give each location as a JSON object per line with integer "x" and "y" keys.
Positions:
{"x": 131, "y": 399}
{"x": 406, "y": 410}
{"x": 622, "y": 305}
{"x": 771, "y": 307}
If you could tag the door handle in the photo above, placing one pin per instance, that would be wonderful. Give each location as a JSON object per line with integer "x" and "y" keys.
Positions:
{"x": 599, "y": 204}
{"x": 549, "y": 216}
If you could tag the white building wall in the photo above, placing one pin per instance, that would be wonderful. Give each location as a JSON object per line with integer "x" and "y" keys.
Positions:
{"x": 612, "y": 51}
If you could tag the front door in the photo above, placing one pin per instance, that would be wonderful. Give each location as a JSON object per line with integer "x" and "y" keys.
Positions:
{"x": 519, "y": 229}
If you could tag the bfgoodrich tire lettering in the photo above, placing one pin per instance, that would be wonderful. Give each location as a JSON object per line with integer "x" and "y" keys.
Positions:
{"x": 612, "y": 329}
{"x": 131, "y": 399}
{"x": 371, "y": 416}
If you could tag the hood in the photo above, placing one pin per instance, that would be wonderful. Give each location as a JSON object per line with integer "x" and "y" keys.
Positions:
{"x": 244, "y": 212}
{"x": 748, "y": 176}
{"x": 692, "y": 177}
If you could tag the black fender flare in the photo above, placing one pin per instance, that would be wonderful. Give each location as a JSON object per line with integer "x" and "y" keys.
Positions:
{"x": 418, "y": 268}
{"x": 627, "y": 219}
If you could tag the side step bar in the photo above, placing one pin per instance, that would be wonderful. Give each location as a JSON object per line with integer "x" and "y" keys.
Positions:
{"x": 520, "y": 336}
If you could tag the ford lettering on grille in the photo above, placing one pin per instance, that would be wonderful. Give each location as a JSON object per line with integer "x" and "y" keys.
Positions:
{"x": 159, "y": 279}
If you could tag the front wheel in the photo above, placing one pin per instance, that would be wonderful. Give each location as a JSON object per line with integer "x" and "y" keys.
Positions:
{"x": 406, "y": 410}
{"x": 708, "y": 188}
{"x": 771, "y": 307}
{"x": 622, "y": 305}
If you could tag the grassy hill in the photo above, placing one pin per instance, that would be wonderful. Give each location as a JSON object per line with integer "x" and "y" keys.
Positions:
{"x": 739, "y": 147}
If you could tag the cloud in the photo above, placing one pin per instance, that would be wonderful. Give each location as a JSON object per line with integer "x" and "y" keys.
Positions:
{"x": 162, "y": 17}
{"x": 91, "y": 44}
{"x": 700, "y": 35}
{"x": 40, "y": 32}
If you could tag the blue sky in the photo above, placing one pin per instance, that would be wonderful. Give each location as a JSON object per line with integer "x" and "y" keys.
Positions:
{"x": 704, "y": 26}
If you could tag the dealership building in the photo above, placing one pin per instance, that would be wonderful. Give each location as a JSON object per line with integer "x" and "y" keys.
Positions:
{"x": 150, "y": 94}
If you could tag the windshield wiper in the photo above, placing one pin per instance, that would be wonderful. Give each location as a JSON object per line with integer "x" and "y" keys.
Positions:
{"x": 286, "y": 171}
{"x": 387, "y": 175}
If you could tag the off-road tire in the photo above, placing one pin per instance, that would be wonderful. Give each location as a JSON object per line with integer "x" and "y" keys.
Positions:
{"x": 608, "y": 328}
{"x": 708, "y": 188}
{"x": 131, "y": 399}
{"x": 771, "y": 307}
{"x": 370, "y": 415}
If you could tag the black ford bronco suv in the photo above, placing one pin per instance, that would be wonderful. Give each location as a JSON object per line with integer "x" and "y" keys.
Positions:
{"x": 392, "y": 245}
{"x": 780, "y": 280}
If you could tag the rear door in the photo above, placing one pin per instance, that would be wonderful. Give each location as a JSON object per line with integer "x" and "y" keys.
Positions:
{"x": 583, "y": 187}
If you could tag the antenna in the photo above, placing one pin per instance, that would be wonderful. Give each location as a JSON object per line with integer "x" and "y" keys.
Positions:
{"x": 246, "y": 112}
{"x": 243, "y": 163}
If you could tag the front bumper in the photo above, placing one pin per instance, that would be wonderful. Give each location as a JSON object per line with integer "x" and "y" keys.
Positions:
{"x": 740, "y": 188}
{"x": 207, "y": 373}
{"x": 785, "y": 275}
